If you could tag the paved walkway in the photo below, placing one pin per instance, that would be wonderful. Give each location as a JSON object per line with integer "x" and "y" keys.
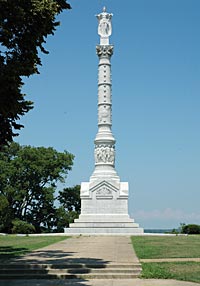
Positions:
{"x": 102, "y": 282}
{"x": 86, "y": 249}
{"x": 92, "y": 249}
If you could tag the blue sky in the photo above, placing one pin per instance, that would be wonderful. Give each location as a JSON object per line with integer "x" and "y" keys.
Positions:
{"x": 156, "y": 102}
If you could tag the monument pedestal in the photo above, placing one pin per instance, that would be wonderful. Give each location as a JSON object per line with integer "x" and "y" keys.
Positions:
{"x": 104, "y": 210}
{"x": 104, "y": 199}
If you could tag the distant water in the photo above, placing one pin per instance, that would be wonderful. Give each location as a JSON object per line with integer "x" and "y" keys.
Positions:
{"x": 157, "y": 230}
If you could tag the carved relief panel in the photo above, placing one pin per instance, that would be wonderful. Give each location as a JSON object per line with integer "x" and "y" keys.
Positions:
{"x": 105, "y": 114}
{"x": 104, "y": 191}
{"x": 105, "y": 154}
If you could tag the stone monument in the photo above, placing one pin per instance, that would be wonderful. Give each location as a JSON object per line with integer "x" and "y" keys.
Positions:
{"x": 104, "y": 199}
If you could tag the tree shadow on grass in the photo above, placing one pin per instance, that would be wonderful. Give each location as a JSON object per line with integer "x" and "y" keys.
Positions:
{"x": 7, "y": 253}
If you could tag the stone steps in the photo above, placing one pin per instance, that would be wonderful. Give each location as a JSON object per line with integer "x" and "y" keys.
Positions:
{"x": 103, "y": 230}
{"x": 25, "y": 266}
{"x": 113, "y": 218}
{"x": 104, "y": 225}
{"x": 68, "y": 276}
{"x": 69, "y": 271}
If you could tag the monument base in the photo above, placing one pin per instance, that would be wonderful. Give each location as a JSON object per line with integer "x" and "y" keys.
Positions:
{"x": 100, "y": 224}
{"x": 104, "y": 231}
{"x": 104, "y": 211}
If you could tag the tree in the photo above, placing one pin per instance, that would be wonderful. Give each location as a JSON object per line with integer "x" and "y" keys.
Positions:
{"x": 63, "y": 218}
{"x": 190, "y": 229}
{"x": 28, "y": 179}
{"x": 24, "y": 26}
{"x": 70, "y": 207}
{"x": 4, "y": 213}
{"x": 70, "y": 198}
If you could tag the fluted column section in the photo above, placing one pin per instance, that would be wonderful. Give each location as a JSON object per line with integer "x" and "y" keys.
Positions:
{"x": 104, "y": 141}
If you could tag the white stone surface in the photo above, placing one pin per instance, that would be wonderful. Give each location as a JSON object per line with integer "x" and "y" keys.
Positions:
{"x": 104, "y": 224}
{"x": 123, "y": 218}
{"x": 104, "y": 199}
{"x": 105, "y": 230}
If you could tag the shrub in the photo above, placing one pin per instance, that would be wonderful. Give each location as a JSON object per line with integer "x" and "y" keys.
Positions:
{"x": 174, "y": 231}
{"x": 191, "y": 229}
{"x": 20, "y": 226}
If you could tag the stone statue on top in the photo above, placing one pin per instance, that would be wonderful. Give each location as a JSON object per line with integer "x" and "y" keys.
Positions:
{"x": 104, "y": 27}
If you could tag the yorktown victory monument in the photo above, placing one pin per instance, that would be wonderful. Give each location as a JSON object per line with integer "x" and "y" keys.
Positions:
{"x": 104, "y": 199}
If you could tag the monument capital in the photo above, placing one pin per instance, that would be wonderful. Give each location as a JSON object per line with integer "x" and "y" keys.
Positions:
{"x": 104, "y": 50}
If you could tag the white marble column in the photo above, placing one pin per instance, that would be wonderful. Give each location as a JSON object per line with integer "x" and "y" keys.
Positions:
{"x": 104, "y": 142}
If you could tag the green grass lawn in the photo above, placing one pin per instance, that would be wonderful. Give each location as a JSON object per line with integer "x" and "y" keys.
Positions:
{"x": 186, "y": 271}
{"x": 149, "y": 247}
{"x": 12, "y": 246}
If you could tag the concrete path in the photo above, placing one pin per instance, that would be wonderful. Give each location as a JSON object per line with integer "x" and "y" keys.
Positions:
{"x": 101, "y": 282}
{"x": 92, "y": 249}
{"x": 86, "y": 249}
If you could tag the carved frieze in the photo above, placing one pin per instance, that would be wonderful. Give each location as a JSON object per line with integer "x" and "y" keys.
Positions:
{"x": 105, "y": 154}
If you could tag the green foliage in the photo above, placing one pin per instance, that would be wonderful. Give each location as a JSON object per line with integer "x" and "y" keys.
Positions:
{"x": 71, "y": 216}
{"x": 174, "y": 231}
{"x": 61, "y": 219}
{"x": 166, "y": 247}
{"x": 180, "y": 229}
{"x": 191, "y": 229}
{"x": 70, "y": 198}
{"x": 64, "y": 218}
{"x": 186, "y": 271}
{"x": 20, "y": 226}
{"x": 70, "y": 207}
{"x": 24, "y": 27}
{"x": 28, "y": 179}
{"x": 4, "y": 214}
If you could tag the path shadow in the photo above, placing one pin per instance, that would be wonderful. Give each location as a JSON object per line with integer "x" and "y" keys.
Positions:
{"x": 59, "y": 257}
{"x": 46, "y": 261}
{"x": 44, "y": 282}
